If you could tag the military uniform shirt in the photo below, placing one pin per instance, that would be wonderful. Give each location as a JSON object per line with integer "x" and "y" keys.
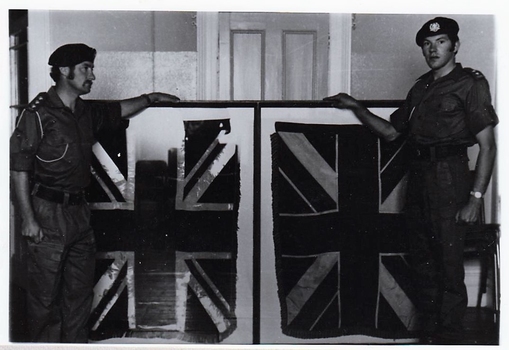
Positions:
{"x": 56, "y": 144}
{"x": 448, "y": 111}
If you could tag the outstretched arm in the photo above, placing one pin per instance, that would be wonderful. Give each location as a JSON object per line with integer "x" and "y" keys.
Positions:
{"x": 134, "y": 105}
{"x": 379, "y": 126}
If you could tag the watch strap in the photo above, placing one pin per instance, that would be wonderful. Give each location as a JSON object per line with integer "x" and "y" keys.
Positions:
{"x": 476, "y": 194}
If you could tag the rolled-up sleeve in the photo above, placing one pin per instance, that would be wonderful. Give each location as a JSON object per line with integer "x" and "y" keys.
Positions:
{"x": 25, "y": 141}
{"x": 399, "y": 118}
{"x": 479, "y": 110}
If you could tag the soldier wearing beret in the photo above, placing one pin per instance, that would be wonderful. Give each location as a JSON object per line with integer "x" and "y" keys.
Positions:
{"x": 50, "y": 155}
{"x": 447, "y": 110}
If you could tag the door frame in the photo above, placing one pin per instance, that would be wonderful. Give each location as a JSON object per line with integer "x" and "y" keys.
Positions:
{"x": 208, "y": 87}
{"x": 38, "y": 46}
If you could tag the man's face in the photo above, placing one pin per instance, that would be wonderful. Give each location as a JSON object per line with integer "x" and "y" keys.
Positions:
{"x": 81, "y": 78}
{"x": 439, "y": 51}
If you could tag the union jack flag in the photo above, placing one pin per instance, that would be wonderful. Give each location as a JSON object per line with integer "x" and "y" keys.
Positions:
{"x": 207, "y": 201}
{"x": 338, "y": 232}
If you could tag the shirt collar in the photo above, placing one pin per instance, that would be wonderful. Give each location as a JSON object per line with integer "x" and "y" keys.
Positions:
{"x": 53, "y": 98}
{"x": 55, "y": 101}
{"x": 455, "y": 74}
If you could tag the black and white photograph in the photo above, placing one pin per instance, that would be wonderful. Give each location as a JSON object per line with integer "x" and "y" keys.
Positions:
{"x": 229, "y": 177}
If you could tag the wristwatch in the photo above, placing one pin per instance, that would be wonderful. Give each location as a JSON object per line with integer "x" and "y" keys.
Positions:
{"x": 476, "y": 194}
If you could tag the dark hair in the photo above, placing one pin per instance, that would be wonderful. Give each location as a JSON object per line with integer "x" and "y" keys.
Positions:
{"x": 454, "y": 38}
{"x": 55, "y": 73}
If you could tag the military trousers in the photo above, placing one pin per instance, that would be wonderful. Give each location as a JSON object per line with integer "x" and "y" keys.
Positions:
{"x": 437, "y": 190}
{"x": 61, "y": 273}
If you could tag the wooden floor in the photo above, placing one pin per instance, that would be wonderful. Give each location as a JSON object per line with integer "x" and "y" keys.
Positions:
{"x": 155, "y": 292}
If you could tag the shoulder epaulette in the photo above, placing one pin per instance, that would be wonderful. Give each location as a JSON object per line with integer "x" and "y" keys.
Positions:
{"x": 474, "y": 73}
{"x": 38, "y": 101}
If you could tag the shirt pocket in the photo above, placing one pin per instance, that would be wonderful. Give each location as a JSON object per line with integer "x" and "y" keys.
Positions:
{"x": 54, "y": 147}
{"x": 449, "y": 105}
{"x": 450, "y": 117}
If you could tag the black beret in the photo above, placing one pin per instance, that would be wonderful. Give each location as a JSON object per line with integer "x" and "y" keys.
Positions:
{"x": 437, "y": 26}
{"x": 71, "y": 55}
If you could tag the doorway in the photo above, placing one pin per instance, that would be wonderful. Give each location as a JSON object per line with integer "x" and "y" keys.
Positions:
{"x": 273, "y": 56}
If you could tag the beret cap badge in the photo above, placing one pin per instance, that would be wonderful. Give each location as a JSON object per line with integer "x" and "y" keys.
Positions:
{"x": 434, "y": 27}
{"x": 437, "y": 26}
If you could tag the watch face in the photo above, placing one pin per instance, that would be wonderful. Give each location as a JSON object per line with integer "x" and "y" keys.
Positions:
{"x": 477, "y": 194}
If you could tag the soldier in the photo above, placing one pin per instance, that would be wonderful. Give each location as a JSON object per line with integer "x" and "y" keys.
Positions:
{"x": 447, "y": 110}
{"x": 50, "y": 154}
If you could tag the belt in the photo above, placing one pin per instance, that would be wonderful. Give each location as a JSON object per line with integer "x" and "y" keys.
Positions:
{"x": 57, "y": 196}
{"x": 439, "y": 152}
